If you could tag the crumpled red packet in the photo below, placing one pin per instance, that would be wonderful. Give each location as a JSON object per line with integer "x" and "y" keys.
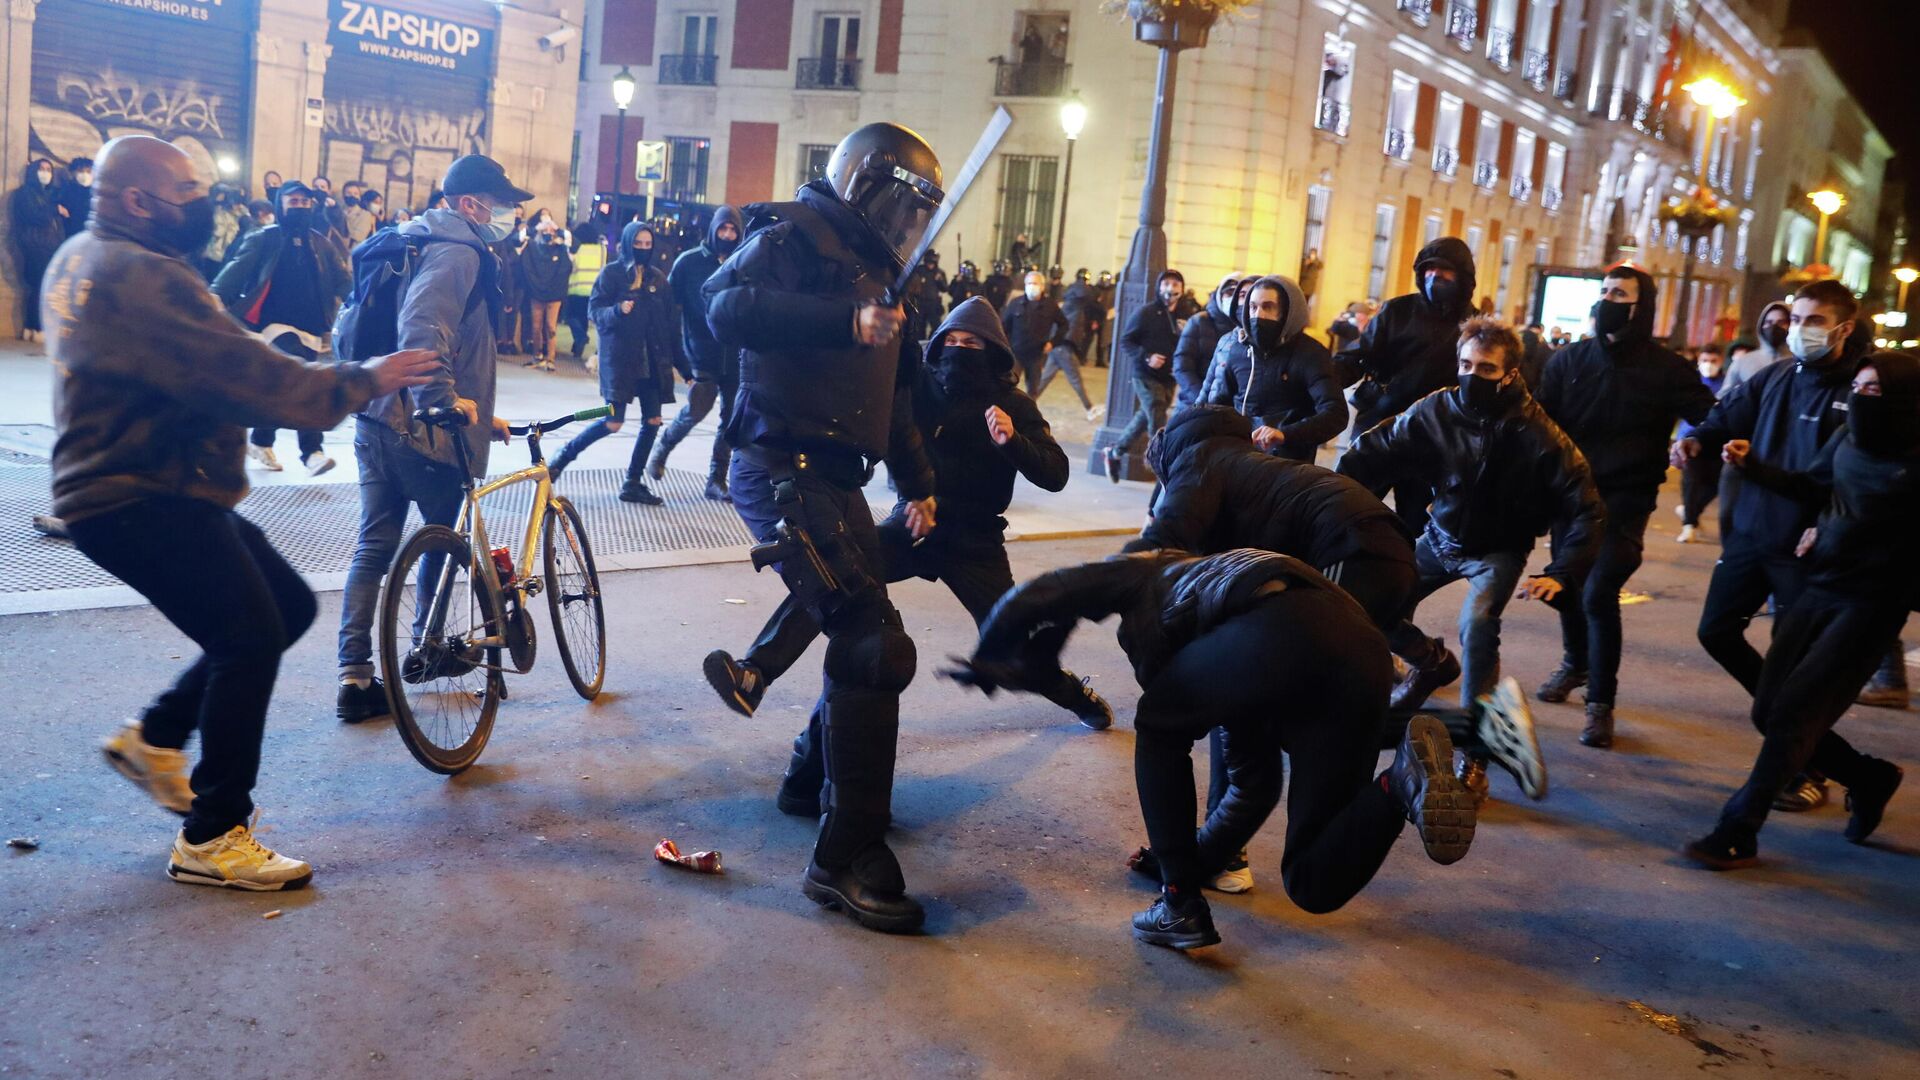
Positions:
{"x": 704, "y": 862}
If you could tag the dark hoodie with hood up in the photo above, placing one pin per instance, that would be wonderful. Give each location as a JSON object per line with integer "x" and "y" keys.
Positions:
{"x": 1218, "y": 491}
{"x": 636, "y": 347}
{"x": 710, "y": 360}
{"x": 1199, "y": 338}
{"x": 1294, "y": 390}
{"x": 1618, "y": 401}
{"x": 1411, "y": 347}
{"x": 973, "y": 476}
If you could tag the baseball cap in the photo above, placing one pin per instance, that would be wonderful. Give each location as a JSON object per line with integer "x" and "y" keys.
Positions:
{"x": 478, "y": 174}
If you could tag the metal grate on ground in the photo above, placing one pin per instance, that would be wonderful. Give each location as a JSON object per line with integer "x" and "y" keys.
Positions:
{"x": 314, "y": 525}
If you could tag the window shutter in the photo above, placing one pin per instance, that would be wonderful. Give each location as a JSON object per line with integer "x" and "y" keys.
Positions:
{"x": 1425, "y": 107}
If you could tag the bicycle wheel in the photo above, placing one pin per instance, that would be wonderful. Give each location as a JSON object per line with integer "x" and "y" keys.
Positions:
{"x": 444, "y": 689}
{"x": 573, "y": 597}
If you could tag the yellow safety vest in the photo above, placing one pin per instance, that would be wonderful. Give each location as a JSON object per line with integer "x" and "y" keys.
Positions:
{"x": 586, "y": 268}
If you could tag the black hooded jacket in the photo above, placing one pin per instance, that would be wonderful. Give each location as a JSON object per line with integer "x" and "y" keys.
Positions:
{"x": 1194, "y": 354}
{"x": 973, "y": 476}
{"x": 636, "y": 347}
{"x": 1411, "y": 347}
{"x": 1618, "y": 401}
{"x": 32, "y": 222}
{"x": 788, "y": 298}
{"x": 1153, "y": 330}
{"x": 545, "y": 266}
{"x": 1217, "y": 491}
{"x": 1293, "y": 391}
{"x": 690, "y": 271}
{"x": 1033, "y": 326}
{"x": 1498, "y": 483}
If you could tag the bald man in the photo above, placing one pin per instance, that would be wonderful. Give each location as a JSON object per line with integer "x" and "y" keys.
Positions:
{"x": 155, "y": 387}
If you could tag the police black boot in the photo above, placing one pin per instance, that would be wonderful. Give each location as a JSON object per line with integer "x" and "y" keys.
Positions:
{"x": 806, "y": 772}
{"x": 853, "y": 870}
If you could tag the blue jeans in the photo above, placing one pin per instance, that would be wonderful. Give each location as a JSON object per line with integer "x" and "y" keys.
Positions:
{"x": 1491, "y": 579}
{"x": 393, "y": 477}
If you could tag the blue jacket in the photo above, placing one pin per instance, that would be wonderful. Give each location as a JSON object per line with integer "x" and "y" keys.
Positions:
{"x": 1787, "y": 411}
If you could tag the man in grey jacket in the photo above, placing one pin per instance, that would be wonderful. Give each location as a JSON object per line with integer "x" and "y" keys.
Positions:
{"x": 447, "y": 306}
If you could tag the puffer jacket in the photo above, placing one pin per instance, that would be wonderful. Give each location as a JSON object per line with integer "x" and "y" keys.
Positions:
{"x": 1193, "y": 356}
{"x": 1498, "y": 483}
{"x": 1218, "y": 492}
{"x": 1293, "y": 391}
{"x": 1411, "y": 347}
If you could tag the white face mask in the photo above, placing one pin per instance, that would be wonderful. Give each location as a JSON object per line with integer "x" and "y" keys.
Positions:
{"x": 500, "y": 226}
{"x": 1807, "y": 342}
{"x": 1033, "y": 292}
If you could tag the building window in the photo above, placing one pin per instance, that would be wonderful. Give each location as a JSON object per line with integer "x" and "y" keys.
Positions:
{"x": 1463, "y": 22}
{"x": 1037, "y": 64}
{"x": 1543, "y": 253}
{"x": 1336, "y": 86}
{"x": 1420, "y": 11}
{"x": 687, "y": 168}
{"x": 1536, "y": 60}
{"x": 1446, "y": 137}
{"x": 836, "y": 66}
{"x": 1521, "y": 186}
{"x": 1430, "y": 231}
{"x": 1027, "y": 187}
{"x": 1741, "y": 237}
{"x": 813, "y": 161}
{"x": 1500, "y": 33}
{"x": 1753, "y": 158}
{"x": 1382, "y": 250}
{"x": 697, "y": 61}
{"x": 1509, "y": 247}
{"x": 1486, "y": 152}
{"x": 1475, "y": 236}
{"x": 1315, "y": 238}
{"x": 1402, "y": 103}
{"x": 1553, "y": 184}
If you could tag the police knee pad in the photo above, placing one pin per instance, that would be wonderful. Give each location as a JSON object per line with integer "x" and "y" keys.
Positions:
{"x": 877, "y": 657}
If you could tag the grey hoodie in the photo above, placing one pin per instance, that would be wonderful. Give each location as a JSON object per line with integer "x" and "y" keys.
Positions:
{"x": 1763, "y": 355}
{"x": 435, "y": 314}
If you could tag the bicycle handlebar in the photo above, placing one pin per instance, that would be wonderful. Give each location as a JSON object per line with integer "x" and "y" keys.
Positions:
{"x": 454, "y": 418}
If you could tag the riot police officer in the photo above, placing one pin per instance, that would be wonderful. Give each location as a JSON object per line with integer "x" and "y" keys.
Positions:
{"x": 824, "y": 374}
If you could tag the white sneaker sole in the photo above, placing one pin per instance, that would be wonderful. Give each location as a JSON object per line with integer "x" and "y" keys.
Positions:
{"x": 193, "y": 877}
{"x": 1506, "y": 727}
{"x": 1232, "y": 884}
{"x": 321, "y": 469}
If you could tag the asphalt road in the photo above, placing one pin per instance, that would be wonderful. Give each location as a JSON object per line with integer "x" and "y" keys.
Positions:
{"x": 510, "y": 922}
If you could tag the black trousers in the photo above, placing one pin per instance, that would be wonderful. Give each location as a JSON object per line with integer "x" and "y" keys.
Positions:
{"x": 213, "y": 574}
{"x": 1742, "y": 580}
{"x": 700, "y": 400}
{"x": 1301, "y": 674}
{"x": 1699, "y": 483}
{"x": 1824, "y": 651}
{"x": 1590, "y": 615}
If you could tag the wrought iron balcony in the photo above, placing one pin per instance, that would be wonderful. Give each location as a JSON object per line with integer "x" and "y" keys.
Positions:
{"x": 1486, "y": 175}
{"x": 1420, "y": 11}
{"x": 1500, "y": 47}
{"x": 1640, "y": 111}
{"x": 1446, "y": 160}
{"x": 1334, "y": 116}
{"x": 1521, "y": 188}
{"x": 1399, "y": 144}
{"x": 1550, "y": 198}
{"x": 687, "y": 69}
{"x": 1535, "y": 66}
{"x": 1564, "y": 83}
{"x": 826, "y": 73}
{"x": 1463, "y": 22}
{"x": 1042, "y": 78}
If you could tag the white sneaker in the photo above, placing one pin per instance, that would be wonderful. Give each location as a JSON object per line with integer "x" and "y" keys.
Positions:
{"x": 235, "y": 860}
{"x": 1096, "y": 413}
{"x": 162, "y": 772}
{"x": 1688, "y": 535}
{"x": 1505, "y": 726}
{"x": 1235, "y": 879}
{"x": 1680, "y": 512}
{"x": 316, "y": 462}
{"x": 263, "y": 456}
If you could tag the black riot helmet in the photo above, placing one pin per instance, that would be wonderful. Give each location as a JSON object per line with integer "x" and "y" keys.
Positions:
{"x": 1081, "y": 275}
{"x": 891, "y": 178}
{"x": 1002, "y": 266}
{"x": 968, "y": 271}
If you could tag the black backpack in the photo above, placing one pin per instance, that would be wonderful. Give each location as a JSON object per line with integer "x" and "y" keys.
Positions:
{"x": 368, "y": 322}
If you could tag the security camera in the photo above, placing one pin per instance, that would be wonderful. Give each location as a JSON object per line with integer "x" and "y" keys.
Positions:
{"x": 558, "y": 38}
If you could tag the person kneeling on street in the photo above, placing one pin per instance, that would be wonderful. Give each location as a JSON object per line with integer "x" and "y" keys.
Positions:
{"x": 1287, "y": 663}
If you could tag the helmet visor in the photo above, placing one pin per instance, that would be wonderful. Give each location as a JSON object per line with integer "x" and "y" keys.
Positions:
{"x": 900, "y": 211}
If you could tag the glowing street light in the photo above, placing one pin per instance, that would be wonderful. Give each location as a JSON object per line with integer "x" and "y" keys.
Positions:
{"x": 622, "y": 97}
{"x": 1828, "y": 202}
{"x": 1073, "y": 120}
{"x": 1905, "y": 275}
{"x": 1714, "y": 96}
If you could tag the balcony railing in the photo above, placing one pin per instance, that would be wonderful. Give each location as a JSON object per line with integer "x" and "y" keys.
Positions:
{"x": 1535, "y": 66}
{"x": 1486, "y": 175}
{"x": 826, "y": 73}
{"x": 1500, "y": 47}
{"x": 687, "y": 69}
{"x": 1334, "y": 116}
{"x": 1640, "y": 111}
{"x": 1550, "y": 198}
{"x": 1042, "y": 78}
{"x": 1463, "y": 22}
{"x": 1446, "y": 160}
{"x": 1564, "y": 83}
{"x": 1399, "y": 144}
{"x": 1521, "y": 188}
{"x": 1420, "y": 11}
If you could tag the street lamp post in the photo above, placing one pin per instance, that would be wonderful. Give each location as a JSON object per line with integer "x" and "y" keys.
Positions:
{"x": 1828, "y": 202}
{"x": 1073, "y": 120}
{"x": 1170, "y": 29}
{"x": 622, "y": 97}
{"x": 1905, "y": 275}
{"x": 1698, "y": 215}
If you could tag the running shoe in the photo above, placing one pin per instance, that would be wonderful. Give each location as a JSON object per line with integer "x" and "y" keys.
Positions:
{"x": 235, "y": 860}
{"x": 162, "y": 772}
{"x": 1505, "y": 726}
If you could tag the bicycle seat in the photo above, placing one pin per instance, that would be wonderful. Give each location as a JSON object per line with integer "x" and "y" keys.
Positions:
{"x": 440, "y": 417}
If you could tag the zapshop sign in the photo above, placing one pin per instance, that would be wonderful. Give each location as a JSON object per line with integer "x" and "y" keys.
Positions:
{"x": 386, "y": 32}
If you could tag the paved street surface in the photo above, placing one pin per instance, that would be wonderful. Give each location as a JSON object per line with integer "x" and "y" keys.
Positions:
{"x": 510, "y": 922}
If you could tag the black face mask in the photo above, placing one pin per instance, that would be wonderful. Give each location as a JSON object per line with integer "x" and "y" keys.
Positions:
{"x": 1266, "y": 334}
{"x": 1484, "y": 398}
{"x": 1610, "y": 317}
{"x": 643, "y": 253}
{"x": 962, "y": 372}
{"x": 1775, "y": 336}
{"x": 191, "y": 232}
{"x": 1443, "y": 293}
{"x": 1884, "y": 426}
{"x": 297, "y": 219}
{"x": 723, "y": 246}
